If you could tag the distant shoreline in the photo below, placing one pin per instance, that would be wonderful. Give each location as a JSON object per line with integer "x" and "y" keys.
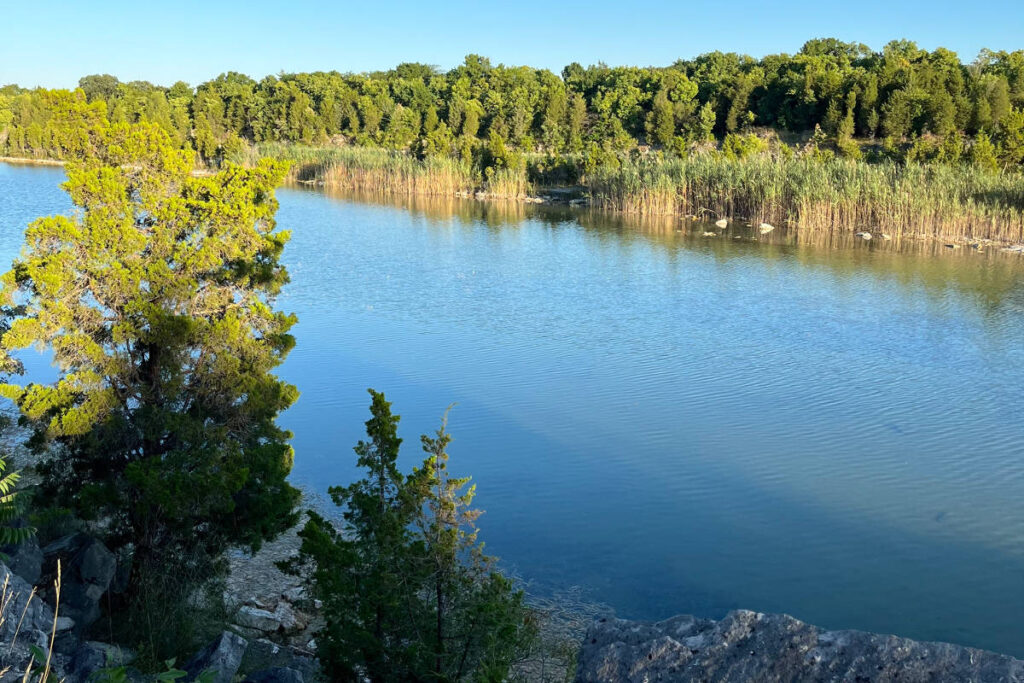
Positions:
{"x": 957, "y": 205}
{"x": 702, "y": 188}
{"x": 30, "y": 161}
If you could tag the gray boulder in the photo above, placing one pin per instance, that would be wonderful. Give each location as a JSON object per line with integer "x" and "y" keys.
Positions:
{"x": 91, "y": 656}
{"x": 223, "y": 656}
{"x": 278, "y": 674}
{"x": 256, "y": 618}
{"x": 27, "y": 624}
{"x": 264, "y": 655}
{"x": 38, "y": 614}
{"x": 748, "y": 646}
{"x": 26, "y": 560}
{"x": 87, "y": 568}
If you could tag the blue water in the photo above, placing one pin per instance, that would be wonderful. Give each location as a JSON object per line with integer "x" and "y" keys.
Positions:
{"x": 676, "y": 424}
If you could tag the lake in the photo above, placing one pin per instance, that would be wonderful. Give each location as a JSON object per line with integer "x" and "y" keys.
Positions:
{"x": 671, "y": 422}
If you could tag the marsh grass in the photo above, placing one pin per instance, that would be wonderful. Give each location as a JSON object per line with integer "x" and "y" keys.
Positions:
{"x": 382, "y": 171}
{"x": 803, "y": 194}
{"x": 950, "y": 202}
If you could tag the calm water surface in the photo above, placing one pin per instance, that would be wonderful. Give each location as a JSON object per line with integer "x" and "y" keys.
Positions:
{"x": 674, "y": 423}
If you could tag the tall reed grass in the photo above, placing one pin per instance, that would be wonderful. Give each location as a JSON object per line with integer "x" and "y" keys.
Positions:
{"x": 375, "y": 170}
{"x": 950, "y": 202}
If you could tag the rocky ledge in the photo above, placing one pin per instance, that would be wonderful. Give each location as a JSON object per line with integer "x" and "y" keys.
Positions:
{"x": 750, "y": 646}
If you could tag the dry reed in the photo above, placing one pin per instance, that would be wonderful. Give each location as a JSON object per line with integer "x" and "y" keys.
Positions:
{"x": 949, "y": 202}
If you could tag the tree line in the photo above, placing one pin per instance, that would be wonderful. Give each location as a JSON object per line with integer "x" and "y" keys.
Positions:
{"x": 902, "y": 102}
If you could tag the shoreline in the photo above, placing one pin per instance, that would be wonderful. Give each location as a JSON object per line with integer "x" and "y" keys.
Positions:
{"x": 576, "y": 198}
{"x": 945, "y": 203}
{"x": 30, "y": 161}
{"x": 583, "y": 197}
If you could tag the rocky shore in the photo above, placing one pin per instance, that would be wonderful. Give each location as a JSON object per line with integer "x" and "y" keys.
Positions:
{"x": 271, "y": 635}
{"x": 750, "y": 646}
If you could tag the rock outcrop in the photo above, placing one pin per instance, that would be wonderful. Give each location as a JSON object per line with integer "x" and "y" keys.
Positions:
{"x": 750, "y": 646}
{"x": 25, "y": 559}
{"x": 88, "y": 567}
{"x": 222, "y": 657}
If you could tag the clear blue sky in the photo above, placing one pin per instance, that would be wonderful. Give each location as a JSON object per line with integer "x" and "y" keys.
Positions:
{"x": 51, "y": 43}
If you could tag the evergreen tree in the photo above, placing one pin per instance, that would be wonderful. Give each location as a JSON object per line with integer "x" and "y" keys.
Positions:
{"x": 661, "y": 126}
{"x": 407, "y": 592}
{"x": 983, "y": 153}
{"x": 476, "y": 619}
{"x": 156, "y": 302}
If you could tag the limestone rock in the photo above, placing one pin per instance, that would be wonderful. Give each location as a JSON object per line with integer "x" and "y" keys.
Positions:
{"x": 750, "y": 646}
{"x": 287, "y": 618}
{"x": 223, "y": 656}
{"x": 87, "y": 568}
{"x": 259, "y": 619}
{"x": 91, "y": 656}
{"x": 294, "y": 594}
{"x": 38, "y": 614}
{"x": 26, "y": 560}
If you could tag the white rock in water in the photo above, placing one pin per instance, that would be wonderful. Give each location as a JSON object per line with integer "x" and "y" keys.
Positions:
{"x": 864, "y": 235}
{"x": 765, "y": 228}
{"x": 721, "y": 223}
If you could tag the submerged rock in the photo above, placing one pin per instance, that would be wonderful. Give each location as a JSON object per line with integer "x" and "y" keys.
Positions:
{"x": 750, "y": 646}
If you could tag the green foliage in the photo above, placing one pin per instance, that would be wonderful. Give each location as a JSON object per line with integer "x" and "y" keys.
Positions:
{"x": 119, "y": 674}
{"x": 408, "y": 593}
{"x": 11, "y": 509}
{"x": 901, "y": 91}
{"x": 736, "y": 147}
{"x": 1011, "y": 138}
{"x": 983, "y": 153}
{"x": 156, "y": 300}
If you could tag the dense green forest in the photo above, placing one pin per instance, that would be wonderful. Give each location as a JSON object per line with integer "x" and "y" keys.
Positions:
{"x": 903, "y": 141}
{"x": 902, "y": 103}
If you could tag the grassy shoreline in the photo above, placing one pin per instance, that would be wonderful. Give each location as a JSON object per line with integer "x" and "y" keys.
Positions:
{"x": 30, "y": 161}
{"x": 800, "y": 194}
{"x": 958, "y": 203}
